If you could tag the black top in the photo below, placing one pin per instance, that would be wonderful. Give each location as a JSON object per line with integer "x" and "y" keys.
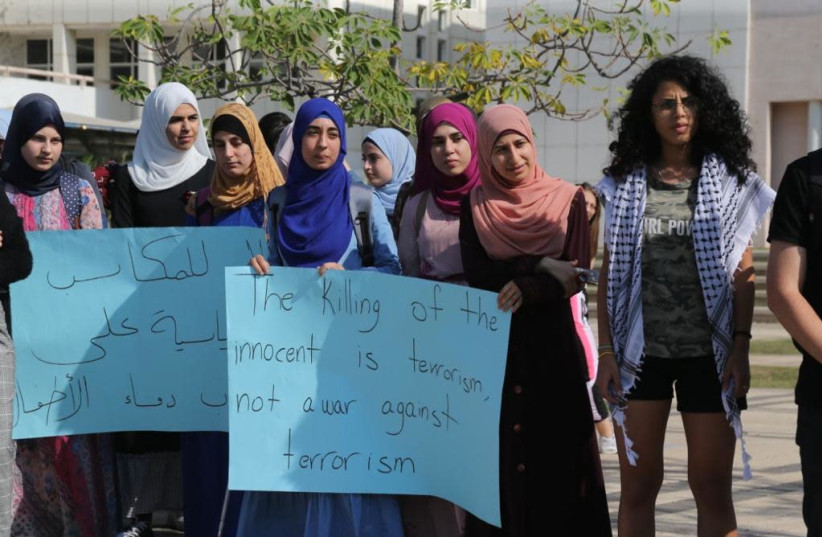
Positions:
{"x": 132, "y": 207}
{"x": 543, "y": 390}
{"x": 15, "y": 256}
{"x": 793, "y": 222}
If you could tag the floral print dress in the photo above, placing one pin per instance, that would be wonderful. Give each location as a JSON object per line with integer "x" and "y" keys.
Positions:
{"x": 63, "y": 486}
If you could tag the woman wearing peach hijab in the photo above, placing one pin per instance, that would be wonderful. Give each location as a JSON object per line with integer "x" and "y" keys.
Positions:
{"x": 522, "y": 233}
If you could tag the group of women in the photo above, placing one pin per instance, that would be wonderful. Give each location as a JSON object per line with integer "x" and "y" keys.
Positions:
{"x": 482, "y": 212}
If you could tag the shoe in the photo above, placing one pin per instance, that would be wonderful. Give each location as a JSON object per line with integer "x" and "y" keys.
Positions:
{"x": 137, "y": 529}
{"x": 607, "y": 445}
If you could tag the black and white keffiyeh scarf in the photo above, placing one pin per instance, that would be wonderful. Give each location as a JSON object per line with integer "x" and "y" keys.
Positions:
{"x": 726, "y": 216}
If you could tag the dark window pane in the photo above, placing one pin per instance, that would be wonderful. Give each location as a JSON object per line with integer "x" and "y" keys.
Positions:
{"x": 206, "y": 53}
{"x": 123, "y": 70}
{"x": 85, "y": 51}
{"x": 37, "y": 52}
{"x": 201, "y": 53}
{"x": 442, "y": 50}
{"x": 118, "y": 53}
{"x": 257, "y": 71}
{"x": 85, "y": 71}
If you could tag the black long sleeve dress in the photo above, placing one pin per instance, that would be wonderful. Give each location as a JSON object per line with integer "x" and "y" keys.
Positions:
{"x": 550, "y": 473}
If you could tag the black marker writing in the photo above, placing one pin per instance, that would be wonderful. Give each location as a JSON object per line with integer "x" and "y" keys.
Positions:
{"x": 76, "y": 280}
{"x": 132, "y": 399}
{"x": 420, "y": 311}
{"x": 338, "y": 301}
{"x": 251, "y": 352}
{"x": 482, "y": 319}
{"x": 180, "y": 274}
{"x": 452, "y": 375}
{"x": 224, "y": 402}
{"x": 437, "y": 417}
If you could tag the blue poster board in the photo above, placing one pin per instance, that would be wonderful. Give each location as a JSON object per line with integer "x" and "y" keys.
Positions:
{"x": 364, "y": 382}
{"x": 124, "y": 330}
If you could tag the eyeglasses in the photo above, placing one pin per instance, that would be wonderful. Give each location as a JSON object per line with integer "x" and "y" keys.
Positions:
{"x": 668, "y": 106}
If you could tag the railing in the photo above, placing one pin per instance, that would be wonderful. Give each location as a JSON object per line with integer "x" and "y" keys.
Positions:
{"x": 81, "y": 80}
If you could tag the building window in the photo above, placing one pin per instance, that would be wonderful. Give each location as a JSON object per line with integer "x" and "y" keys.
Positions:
{"x": 442, "y": 50}
{"x": 85, "y": 57}
{"x": 206, "y": 53}
{"x": 255, "y": 67}
{"x": 466, "y": 4}
{"x": 420, "y": 47}
{"x": 121, "y": 60}
{"x": 441, "y": 21}
{"x": 216, "y": 54}
{"x": 39, "y": 56}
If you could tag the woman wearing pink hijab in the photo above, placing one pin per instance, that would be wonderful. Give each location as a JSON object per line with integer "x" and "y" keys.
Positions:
{"x": 429, "y": 247}
{"x": 446, "y": 172}
{"x": 522, "y": 234}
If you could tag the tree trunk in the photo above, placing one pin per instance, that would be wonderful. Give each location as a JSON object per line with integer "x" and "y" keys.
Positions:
{"x": 396, "y": 21}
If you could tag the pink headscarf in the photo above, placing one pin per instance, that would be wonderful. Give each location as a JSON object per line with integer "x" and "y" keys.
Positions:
{"x": 528, "y": 218}
{"x": 447, "y": 190}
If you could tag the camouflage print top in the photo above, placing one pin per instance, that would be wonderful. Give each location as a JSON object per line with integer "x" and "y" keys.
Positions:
{"x": 673, "y": 307}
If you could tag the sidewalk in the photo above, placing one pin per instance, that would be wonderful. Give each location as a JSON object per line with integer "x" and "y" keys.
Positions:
{"x": 768, "y": 505}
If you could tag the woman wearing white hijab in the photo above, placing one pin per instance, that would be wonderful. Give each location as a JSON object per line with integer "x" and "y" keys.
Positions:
{"x": 171, "y": 159}
{"x": 284, "y": 149}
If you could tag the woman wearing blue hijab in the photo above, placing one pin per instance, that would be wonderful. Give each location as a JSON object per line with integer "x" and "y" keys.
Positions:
{"x": 315, "y": 229}
{"x": 388, "y": 162}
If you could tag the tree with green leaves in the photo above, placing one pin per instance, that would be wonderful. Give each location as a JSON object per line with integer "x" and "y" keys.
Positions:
{"x": 298, "y": 49}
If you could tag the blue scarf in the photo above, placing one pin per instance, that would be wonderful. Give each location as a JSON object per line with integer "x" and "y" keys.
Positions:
{"x": 315, "y": 226}
{"x": 32, "y": 113}
{"x": 397, "y": 149}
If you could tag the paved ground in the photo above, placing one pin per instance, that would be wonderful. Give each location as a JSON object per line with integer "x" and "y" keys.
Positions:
{"x": 767, "y": 505}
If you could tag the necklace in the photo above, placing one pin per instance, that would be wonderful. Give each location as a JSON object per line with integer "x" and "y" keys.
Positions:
{"x": 671, "y": 176}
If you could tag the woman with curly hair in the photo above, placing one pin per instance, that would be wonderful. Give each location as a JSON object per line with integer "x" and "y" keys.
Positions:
{"x": 681, "y": 204}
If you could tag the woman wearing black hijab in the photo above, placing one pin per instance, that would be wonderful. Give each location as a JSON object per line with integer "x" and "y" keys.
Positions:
{"x": 66, "y": 483}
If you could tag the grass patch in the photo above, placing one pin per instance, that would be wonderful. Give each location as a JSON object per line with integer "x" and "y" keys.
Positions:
{"x": 763, "y": 376}
{"x": 773, "y": 346}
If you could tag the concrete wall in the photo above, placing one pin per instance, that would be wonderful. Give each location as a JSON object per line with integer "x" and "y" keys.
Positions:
{"x": 785, "y": 67}
{"x": 77, "y": 99}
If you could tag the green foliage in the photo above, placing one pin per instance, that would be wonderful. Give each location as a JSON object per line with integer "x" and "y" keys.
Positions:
{"x": 297, "y": 50}
{"x": 718, "y": 40}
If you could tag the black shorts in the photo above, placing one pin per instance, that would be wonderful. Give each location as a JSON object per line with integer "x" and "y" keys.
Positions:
{"x": 697, "y": 386}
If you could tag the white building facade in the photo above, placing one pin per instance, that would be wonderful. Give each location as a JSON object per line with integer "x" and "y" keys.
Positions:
{"x": 773, "y": 67}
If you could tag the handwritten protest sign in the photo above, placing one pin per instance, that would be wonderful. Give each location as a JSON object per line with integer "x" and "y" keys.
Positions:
{"x": 125, "y": 330}
{"x": 362, "y": 382}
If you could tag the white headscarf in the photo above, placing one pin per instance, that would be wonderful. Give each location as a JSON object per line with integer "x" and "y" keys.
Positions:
{"x": 284, "y": 149}
{"x": 157, "y": 165}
